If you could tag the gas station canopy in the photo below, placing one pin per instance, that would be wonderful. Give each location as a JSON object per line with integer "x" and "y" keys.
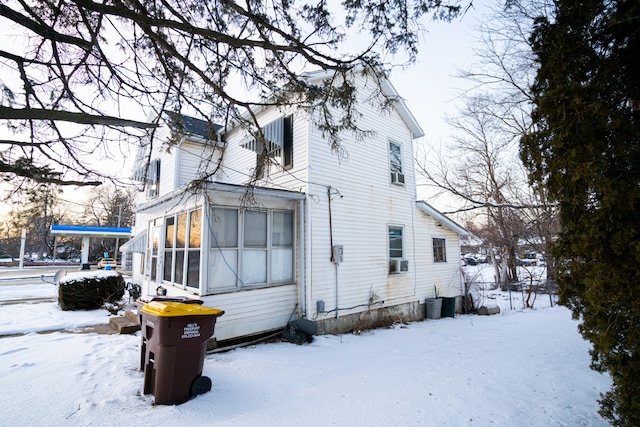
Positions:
{"x": 87, "y": 232}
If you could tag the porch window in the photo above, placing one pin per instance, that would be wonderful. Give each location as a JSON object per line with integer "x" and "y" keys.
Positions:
{"x": 439, "y": 250}
{"x": 282, "y": 247}
{"x": 250, "y": 248}
{"x": 193, "y": 250}
{"x": 254, "y": 255}
{"x": 223, "y": 258}
{"x": 182, "y": 249}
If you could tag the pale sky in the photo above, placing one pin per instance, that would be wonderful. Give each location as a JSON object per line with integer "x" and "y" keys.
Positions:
{"x": 428, "y": 86}
{"x": 430, "y": 89}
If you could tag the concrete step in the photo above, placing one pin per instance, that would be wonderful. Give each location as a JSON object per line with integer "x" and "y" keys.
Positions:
{"x": 124, "y": 325}
{"x": 132, "y": 316}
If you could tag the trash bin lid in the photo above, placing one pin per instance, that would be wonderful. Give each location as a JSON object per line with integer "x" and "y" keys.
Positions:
{"x": 175, "y": 309}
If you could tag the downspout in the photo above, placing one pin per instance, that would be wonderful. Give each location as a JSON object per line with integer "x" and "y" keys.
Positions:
{"x": 301, "y": 252}
{"x": 307, "y": 259}
{"x": 331, "y": 248}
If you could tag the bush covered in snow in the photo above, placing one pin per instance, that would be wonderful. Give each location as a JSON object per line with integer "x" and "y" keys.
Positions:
{"x": 90, "y": 290}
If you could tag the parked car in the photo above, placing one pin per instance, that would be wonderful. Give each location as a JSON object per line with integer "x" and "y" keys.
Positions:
{"x": 103, "y": 262}
{"x": 526, "y": 262}
{"x": 469, "y": 260}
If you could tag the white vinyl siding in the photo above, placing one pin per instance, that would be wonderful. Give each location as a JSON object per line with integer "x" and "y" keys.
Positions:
{"x": 361, "y": 217}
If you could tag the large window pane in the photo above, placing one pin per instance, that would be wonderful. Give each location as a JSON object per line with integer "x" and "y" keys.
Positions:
{"x": 282, "y": 230}
{"x": 193, "y": 269}
{"x": 179, "y": 274}
{"x": 223, "y": 265}
{"x": 224, "y": 227}
{"x": 168, "y": 264}
{"x": 169, "y": 231}
{"x": 255, "y": 229}
{"x": 181, "y": 232}
{"x": 281, "y": 265}
{"x": 194, "y": 229}
{"x": 254, "y": 267}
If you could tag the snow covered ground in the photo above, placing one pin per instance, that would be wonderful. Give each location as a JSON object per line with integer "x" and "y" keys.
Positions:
{"x": 521, "y": 367}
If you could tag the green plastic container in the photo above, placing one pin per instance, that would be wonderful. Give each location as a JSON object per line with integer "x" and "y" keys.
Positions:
{"x": 448, "y": 307}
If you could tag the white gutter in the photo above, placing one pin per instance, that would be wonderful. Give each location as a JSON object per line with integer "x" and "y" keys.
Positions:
{"x": 441, "y": 218}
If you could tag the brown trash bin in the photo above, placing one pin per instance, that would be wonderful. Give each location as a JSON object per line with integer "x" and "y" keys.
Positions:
{"x": 174, "y": 341}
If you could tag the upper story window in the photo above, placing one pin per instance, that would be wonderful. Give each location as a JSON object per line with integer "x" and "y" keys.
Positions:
{"x": 152, "y": 182}
{"x": 395, "y": 163}
{"x": 439, "y": 250}
{"x": 278, "y": 137}
{"x": 149, "y": 175}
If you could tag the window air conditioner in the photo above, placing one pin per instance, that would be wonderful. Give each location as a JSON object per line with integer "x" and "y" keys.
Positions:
{"x": 153, "y": 193}
{"x": 398, "y": 266}
{"x": 397, "y": 178}
{"x": 394, "y": 266}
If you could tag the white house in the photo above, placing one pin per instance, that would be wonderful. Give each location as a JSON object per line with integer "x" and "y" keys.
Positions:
{"x": 337, "y": 241}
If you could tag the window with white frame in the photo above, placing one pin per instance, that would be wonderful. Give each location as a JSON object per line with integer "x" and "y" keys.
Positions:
{"x": 396, "y": 251}
{"x": 152, "y": 181}
{"x": 395, "y": 242}
{"x": 192, "y": 263}
{"x": 182, "y": 233}
{"x": 439, "y": 250}
{"x": 250, "y": 248}
{"x": 395, "y": 163}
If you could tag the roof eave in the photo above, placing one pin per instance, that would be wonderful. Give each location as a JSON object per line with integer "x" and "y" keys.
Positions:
{"x": 441, "y": 218}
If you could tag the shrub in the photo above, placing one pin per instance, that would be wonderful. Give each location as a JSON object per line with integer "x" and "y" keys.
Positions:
{"x": 90, "y": 292}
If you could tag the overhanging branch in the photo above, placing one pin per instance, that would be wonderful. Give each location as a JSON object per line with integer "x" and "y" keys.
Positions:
{"x": 8, "y": 113}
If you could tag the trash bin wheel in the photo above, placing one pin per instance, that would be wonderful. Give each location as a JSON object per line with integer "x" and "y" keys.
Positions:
{"x": 200, "y": 385}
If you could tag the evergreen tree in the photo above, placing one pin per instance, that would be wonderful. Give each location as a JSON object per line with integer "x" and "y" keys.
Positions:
{"x": 586, "y": 150}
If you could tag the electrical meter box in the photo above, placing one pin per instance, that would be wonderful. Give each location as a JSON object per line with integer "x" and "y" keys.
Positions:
{"x": 338, "y": 251}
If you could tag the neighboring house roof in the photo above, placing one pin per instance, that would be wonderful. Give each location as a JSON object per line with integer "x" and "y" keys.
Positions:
{"x": 388, "y": 89}
{"x": 441, "y": 218}
{"x": 192, "y": 126}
